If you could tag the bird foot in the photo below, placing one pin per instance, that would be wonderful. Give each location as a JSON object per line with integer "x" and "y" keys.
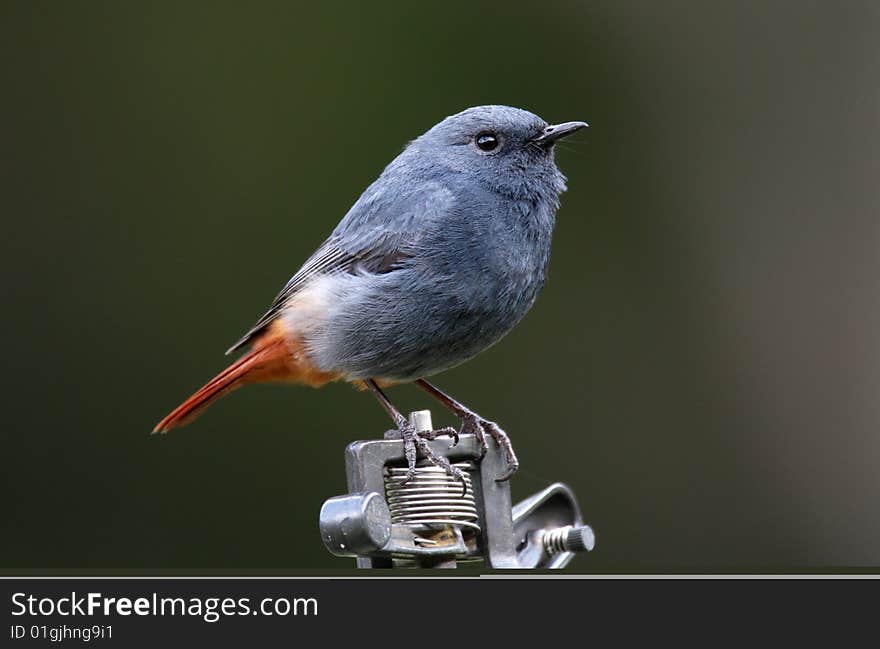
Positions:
{"x": 472, "y": 423}
{"x": 415, "y": 443}
{"x": 429, "y": 435}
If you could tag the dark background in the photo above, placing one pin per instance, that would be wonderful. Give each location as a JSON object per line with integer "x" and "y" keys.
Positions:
{"x": 702, "y": 367}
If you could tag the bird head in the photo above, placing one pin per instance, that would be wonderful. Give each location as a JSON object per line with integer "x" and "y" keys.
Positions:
{"x": 509, "y": 150}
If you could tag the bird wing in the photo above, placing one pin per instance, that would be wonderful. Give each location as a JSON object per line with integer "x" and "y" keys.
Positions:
{"x": 378, "y": 235}
{"x": 331, "y": 257}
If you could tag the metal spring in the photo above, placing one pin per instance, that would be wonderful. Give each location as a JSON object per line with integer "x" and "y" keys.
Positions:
{"x": 431, "y": 497}
{"x": 554, "y": 540}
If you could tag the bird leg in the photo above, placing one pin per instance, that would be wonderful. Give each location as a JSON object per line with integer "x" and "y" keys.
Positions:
{"x": 471, "y": 422}
{"x": 415, "y": 442}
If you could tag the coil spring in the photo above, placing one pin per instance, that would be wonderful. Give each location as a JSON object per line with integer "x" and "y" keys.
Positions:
{"x": 431, "y": 497}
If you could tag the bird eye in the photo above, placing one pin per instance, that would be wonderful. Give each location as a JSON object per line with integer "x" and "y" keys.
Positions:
{"x": 486, "y": 142}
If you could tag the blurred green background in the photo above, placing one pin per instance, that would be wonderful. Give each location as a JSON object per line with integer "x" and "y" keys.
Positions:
{"x": 702, "y": 367}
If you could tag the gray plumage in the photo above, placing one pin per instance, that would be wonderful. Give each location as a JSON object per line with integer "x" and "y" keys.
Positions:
{"x": 439, "y": 258}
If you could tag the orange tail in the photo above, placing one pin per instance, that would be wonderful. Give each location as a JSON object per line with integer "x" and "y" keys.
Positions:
{"x": 270, "y": 359}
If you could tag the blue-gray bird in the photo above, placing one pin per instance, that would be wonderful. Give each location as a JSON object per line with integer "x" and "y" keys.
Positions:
{"x": 437, "y": 260}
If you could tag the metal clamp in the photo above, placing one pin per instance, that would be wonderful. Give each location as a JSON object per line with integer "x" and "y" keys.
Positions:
{"x": 428, "y": 522}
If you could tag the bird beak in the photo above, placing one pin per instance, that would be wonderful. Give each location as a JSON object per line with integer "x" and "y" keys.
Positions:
{"x": 558, "y": 131}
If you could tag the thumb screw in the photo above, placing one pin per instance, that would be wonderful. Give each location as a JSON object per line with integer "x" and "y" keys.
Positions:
{"x": 568, "y": 539}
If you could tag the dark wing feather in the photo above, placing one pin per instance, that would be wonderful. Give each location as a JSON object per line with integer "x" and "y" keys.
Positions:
{"x": 326, "y": 259}
{"x": 329, "y": 258}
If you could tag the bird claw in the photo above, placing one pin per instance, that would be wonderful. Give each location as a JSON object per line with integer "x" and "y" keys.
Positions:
{"x": 470, "y": 425}
{"x": 434, "y": 434}
{"x": 477, "y": 426}
{"x": 416, "y": 443}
